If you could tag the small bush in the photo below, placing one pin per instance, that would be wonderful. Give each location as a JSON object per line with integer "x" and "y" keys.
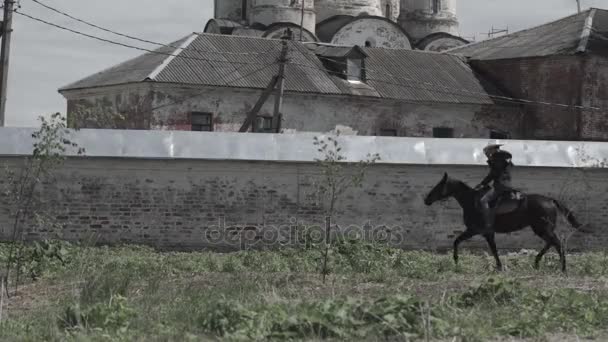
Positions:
{"x": 492, "y": 291}
{"x": 105, "y": 284}
{"x": 114, "y": 315}
{"x": 567, "y": 311}
{"x": 40, "y": 258}
{"x": 223, "y": 318}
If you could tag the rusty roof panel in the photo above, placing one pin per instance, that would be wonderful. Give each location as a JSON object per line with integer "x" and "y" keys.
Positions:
{"x": 134, "y": 70}
{"x": 427, "y": 77}
{"x": 245, "y": 62}
{"x": 573, "y": 34}
{"x": 248, "y": 63}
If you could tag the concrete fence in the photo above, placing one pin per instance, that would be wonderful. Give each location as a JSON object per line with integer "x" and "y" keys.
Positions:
{"x": 185, "y": 190}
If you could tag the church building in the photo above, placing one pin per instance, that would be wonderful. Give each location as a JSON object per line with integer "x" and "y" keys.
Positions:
{"x": 397, "y": 24}
{"x": 368, "y": 67}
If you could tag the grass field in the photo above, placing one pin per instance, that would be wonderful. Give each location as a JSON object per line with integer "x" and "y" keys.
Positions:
{"x": 373, "y": 293}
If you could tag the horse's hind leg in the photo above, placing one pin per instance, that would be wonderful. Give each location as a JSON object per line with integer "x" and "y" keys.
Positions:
{"x": 492, "y": 243}
{"x": 547, "y": 233}
{"x": 560, "y": 250}
{"x": 542, "y": 253}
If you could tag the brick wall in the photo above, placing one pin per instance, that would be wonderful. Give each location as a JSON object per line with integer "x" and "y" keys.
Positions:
{"x": 228, "y": 205}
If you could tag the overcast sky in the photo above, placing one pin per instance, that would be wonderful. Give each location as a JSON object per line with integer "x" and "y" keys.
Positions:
{"x": 44, "y": 59}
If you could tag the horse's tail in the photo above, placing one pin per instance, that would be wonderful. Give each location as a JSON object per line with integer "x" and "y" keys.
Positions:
{"x": 569, "y": 215}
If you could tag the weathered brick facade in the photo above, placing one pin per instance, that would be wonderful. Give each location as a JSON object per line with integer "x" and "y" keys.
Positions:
{"x": 555, "y": 79}
{"x": 227, "y": 205}
{"x": 169, "y": 107}
{"x": 551, "y": 82}
{"x": 594, "y": 123}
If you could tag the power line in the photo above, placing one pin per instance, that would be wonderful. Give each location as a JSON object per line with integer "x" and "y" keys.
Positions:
{"x": 471, "y": 93}
{"x": 451, "y": 91}
{"x": 506, "y": 98}
{"x": 132, "y": 46}
{"x": 228, "y": 82}
{"x": 248, "y": 74}
{"x": 116, "y": 43}
{"x": 478, "y": 94}
{"x": 137, "y": 38}
{"x": 598, "y": 34}
{"x": 225, "y": 84}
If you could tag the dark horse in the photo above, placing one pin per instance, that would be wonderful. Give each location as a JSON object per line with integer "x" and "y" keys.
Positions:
{"x": 536, "y": 211}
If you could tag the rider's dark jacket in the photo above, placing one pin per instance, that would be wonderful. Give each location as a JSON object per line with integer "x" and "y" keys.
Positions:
{"x": 500, "y": 171}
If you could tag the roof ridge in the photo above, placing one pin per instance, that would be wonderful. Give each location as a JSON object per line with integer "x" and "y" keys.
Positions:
{"x": 73, "y": 85}
{"x": 172, "y": 56}
{"x": 516, "y": 32}
{"x": 587, "y": 28}
{"x": 234, "y": 36}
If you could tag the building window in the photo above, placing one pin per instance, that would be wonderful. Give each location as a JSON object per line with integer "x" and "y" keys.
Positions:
{"x": 202, "y": 122}
{"x": 388, "y": 11}
{"x": 354, "y": 70}
{"x": 388, "y": 132}
{"x": 436, "y": 5}
{"x": 443, "y": 132}
{"x": 264, "y": 124}
{"x": 499, "y": 135}
{"x": 345, "y": 62}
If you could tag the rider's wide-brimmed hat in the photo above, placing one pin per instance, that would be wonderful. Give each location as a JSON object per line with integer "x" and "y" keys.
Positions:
{"x": 490, "y": 149}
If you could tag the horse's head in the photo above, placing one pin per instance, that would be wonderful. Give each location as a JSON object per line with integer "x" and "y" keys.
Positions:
{"x": 440, "y": 192}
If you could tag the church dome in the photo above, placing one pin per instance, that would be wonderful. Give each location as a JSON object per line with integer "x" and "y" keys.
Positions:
{"x": 269, "y": 12}
{"x": 363, "y": 31}
{"x": 421, "y": 18}
{"x": 329, "y": 8}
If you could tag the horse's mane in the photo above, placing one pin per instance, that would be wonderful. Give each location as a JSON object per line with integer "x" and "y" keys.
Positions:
{"x": 460, "y": 183}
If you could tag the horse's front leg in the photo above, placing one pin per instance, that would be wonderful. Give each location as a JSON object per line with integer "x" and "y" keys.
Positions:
{"x": 492, "y": 243}
{"x": 463, "y": 237}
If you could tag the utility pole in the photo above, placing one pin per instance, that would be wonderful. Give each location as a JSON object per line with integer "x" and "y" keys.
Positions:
{"x": 253, "y": 114}
{"x": 7, "y": 29}
{"x": 276, "y": 83}
{"x": 302, "y": 21}
{"x": 278, "y": 102}
{"x": 578, "y": 4}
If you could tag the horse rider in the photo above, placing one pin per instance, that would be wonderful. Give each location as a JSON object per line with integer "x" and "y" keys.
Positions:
{"x": 500, "y": 163}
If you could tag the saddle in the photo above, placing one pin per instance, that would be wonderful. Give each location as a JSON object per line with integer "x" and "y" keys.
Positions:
{"x": 508, "y": 202}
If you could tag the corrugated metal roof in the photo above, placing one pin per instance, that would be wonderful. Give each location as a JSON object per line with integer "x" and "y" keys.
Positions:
{"x": 577, "y": 33}
{"x": 339, "y": 51}
{"x": 417, "y": 76}
{"x": 134, "y": 70}
{"x": 247, "y": 65}
{"x": 245, "y": 62}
